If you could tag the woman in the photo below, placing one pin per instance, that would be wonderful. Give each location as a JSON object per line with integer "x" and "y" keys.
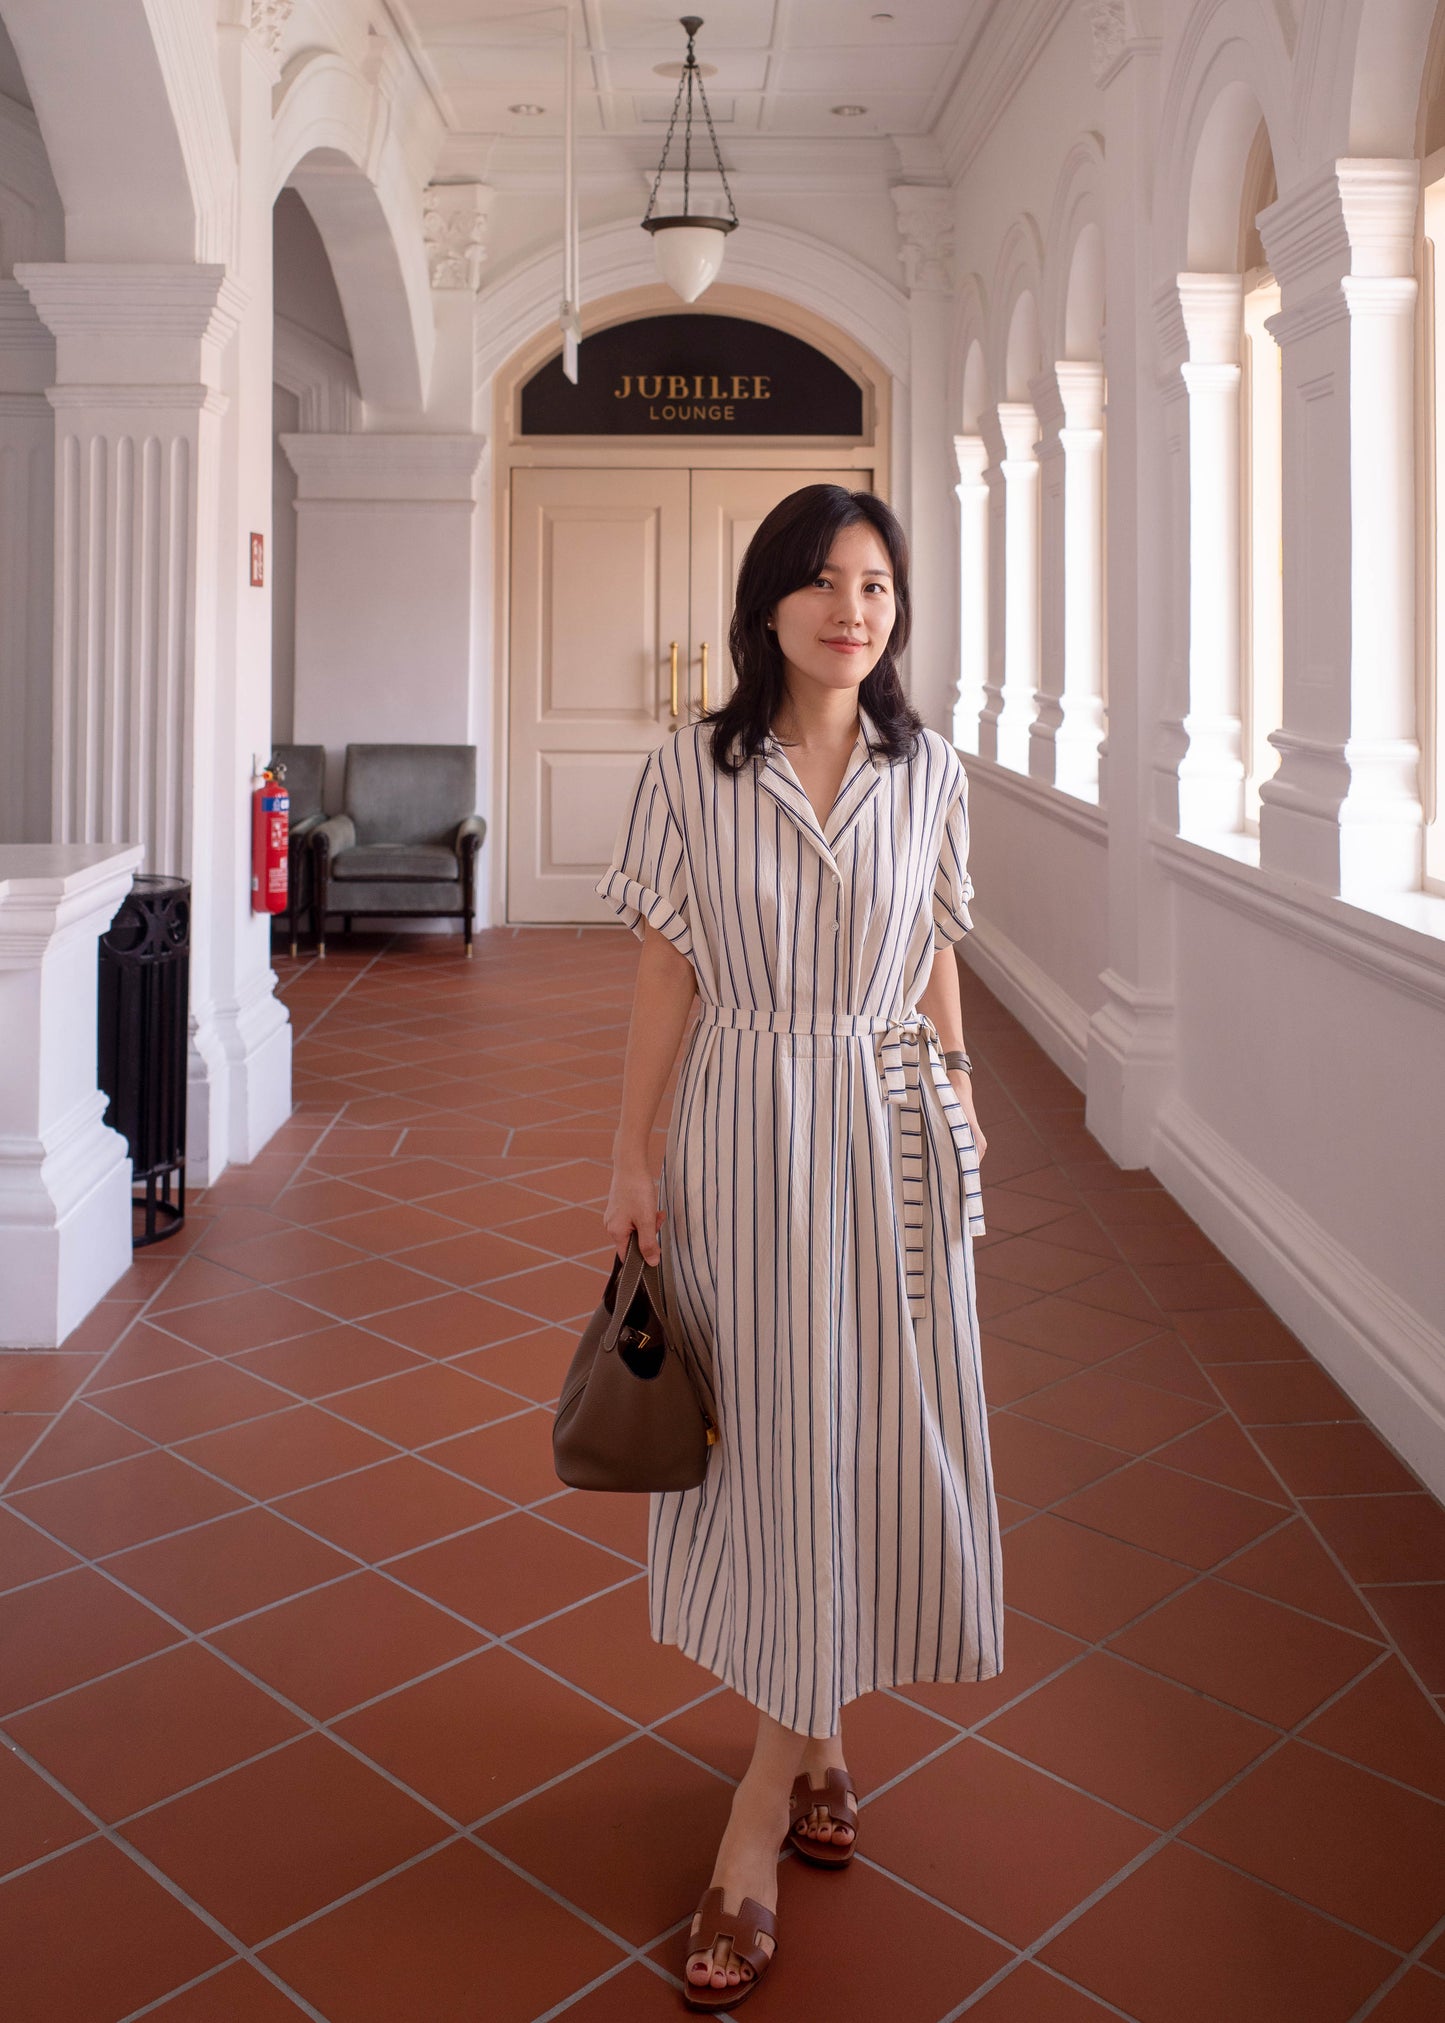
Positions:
{"x": 794, "y": 859}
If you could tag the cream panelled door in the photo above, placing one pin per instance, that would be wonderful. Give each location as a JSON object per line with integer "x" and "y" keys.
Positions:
{"x": 609, "y": 568}
{"x": 727, "y": 509}
{"x": 600, "y": 568}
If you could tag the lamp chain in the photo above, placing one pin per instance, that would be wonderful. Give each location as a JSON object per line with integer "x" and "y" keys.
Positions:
{"x": 690, "y": 71}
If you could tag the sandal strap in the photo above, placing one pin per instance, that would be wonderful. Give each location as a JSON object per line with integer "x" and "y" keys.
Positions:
{"x": 833, "y": 1798}
{"x": 716, "y": 1923}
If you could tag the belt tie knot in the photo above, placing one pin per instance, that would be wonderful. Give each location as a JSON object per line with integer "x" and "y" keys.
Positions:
{"x": 901, "y": 1046}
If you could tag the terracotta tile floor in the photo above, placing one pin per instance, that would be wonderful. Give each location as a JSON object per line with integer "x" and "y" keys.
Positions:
{"x": 321, "y": 1697}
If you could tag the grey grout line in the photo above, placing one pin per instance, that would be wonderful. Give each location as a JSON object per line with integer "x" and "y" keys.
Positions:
{"x": 1413, "y": 1959}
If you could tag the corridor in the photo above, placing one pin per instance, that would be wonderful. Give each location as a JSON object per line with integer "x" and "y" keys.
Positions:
{"x": 321, "y": 1698}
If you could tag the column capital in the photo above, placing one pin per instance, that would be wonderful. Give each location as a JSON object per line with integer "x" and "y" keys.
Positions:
{"x": 133, "y": 325}
{"x": 1119, "y": 29}
{"x": 1211, "y": 307}
{"x": 454, "y": 225}
{"x": 1070, "y": 395}
{"x": 427, "y": 469}
{"x": 925, "y": 222}
{"x": 1018, "y": 424}
{"x": 267, "y": 21}
{"x": 1351, "y": 217}
{"x": 971, "y": 453}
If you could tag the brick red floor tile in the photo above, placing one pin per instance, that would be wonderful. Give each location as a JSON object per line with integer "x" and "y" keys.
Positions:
{"x": 533, "y": 1364}
{"x": 80, "y": 1437}
{"x": 1273, "y": 1394}
{"x": 1190, "y": 1288}
{"x": 1348, "y": 1459}
{"x": 1040, "y": 1263}
{"x": 340, "y": 1645}
{"x": 1038, "y": 1464}
{"x": 185, "y": 1715}
{"x": 280, "y": 1838}
{"x": 1118, "y": 1291}
{"x": 228, "y": 1568}
{"x": 289, "y": 1253}
{"x": 390, "y": 1508}
{"x": 26, "y": 1554}
{"x": 1066, "y": 1327}
{"x": 619, "y": 1522}
{"x": 287, "y": 1450}
{"x": 143, "y": 1352}
{"x": 1140, "y": 1742}
{"x": 35, "y": 1819}
{"x": 455, "y": 1935}
{"x": 1177, "y": 1515}
{"x": 1291, "y": 1566}
{"x": 191, "y": 1401}
{"x": 1185, "y": 1940}
{"x": 480, "y": 1734}
{"x": 125, "y": 1503}
{"x": 69, "y": 1629}
{"x": 133, "y": 1944}
{"x": 1387, "y": 1724}
{"x": 1344, "y": 1840}
{"x": 422, "y": 1405}
{"x": 513, "y": 1457}
{"x": 506, "y": 1575}
{"x": 1080, "y": 1581}
{"x": 1032, "y": 1651}
{"x": 1220, "y": 1452}
{"x": 237, "y": 1994}
{"x": 1012, "y": 1372}
{"x": 33, "y": 1381}
{"x": 1418, "y": 1998}
{"x": 1383, "y": 1540}
{"x": 1240, "y": 1335}
{"x": 244, "y": 1320}
{"x": 1415, "y": 1618}
{"x": 1000, "y": 1842}
{"x": 603, "y": 1646}
{"x": 200, "y": 1279}
{"x": 337, "y": 1359}
{"x": 1030, "y": 1995}
{"x": 639, "y": 1994}
{"x": 1267, "y": 1661}
{"x": 1102, "y": 1406}
{"x": 1165, "y": 1363}
{"x": 353, "y": 1291}
{"x": 453, "y": 1323}
{"x": 653, "y": 1823}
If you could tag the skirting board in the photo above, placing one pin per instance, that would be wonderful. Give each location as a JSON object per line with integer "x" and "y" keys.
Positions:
{"x": 1378, "y": 1349}
{"x": 1047, "y": 1013}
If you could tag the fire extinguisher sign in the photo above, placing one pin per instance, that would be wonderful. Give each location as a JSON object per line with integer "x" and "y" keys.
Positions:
{"x": 270, "y": 824}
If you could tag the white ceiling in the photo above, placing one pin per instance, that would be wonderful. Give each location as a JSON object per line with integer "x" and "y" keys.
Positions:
{"x": 778, "y": 67}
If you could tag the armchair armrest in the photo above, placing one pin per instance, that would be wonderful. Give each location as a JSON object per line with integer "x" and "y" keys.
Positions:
{"x": 469, "y": 835}
{"x": 336, "y": 833}
{"x": 306, "y": 825}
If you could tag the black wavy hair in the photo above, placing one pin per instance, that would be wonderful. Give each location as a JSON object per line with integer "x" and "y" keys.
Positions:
{"x": 786, "y": 553}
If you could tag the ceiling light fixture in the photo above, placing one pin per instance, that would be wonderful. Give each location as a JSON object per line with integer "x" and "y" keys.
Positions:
{"x": 849, "y": 111}
{"x": 688, "y": 245}
{"x": 528, "y": 111}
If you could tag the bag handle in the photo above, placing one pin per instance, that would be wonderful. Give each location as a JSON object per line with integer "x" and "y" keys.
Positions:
{"x": 627, "y": 1274}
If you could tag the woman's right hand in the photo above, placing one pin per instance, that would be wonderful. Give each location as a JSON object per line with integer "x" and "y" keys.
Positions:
{"x": 632, "y": 1204}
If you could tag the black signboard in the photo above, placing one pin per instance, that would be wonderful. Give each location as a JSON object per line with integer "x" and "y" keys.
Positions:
{"x": 693, "y": 375}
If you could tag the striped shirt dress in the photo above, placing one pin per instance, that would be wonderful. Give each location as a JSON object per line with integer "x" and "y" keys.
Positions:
{"x": 820, "y": 1190}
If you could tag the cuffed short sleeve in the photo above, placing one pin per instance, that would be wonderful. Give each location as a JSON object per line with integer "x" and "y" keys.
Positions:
{"x": 647, "y": 878}
{"x": 952, "y": 887}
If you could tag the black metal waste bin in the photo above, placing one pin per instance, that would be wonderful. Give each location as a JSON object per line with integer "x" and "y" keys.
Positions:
{"x": 145, "y": 965}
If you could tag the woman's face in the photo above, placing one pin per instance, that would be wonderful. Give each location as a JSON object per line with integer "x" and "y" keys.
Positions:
{"x": 833, "y": 631}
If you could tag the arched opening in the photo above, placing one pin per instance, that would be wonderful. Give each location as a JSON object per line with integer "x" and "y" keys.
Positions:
{"x": 1261, "y": 422}
{"x": 31, "y": 228}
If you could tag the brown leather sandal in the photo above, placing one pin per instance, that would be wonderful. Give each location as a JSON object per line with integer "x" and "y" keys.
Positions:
{"x": 834, "y": 1798}
{"x": 713, "y": 1923}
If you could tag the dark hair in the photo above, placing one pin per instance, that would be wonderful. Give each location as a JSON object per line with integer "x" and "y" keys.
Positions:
{"x": 786, "y": 553}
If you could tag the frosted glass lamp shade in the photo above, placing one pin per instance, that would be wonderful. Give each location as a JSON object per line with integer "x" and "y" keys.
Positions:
{"x": 689, "y": 251}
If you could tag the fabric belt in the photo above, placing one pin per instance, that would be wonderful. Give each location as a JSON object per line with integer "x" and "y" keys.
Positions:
{"x": 900, "y": 1044}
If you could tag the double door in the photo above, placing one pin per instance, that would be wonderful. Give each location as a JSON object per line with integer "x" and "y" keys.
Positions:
{"x": 621, "y": 597}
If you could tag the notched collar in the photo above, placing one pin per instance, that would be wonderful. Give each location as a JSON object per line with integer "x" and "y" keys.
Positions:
{"x": 867, "y": 764}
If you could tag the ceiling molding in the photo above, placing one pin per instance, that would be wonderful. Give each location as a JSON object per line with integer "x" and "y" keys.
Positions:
{"x": 1011, "y": 42}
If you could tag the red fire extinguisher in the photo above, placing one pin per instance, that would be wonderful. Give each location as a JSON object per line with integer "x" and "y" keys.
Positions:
{"x": 270, "y": 823}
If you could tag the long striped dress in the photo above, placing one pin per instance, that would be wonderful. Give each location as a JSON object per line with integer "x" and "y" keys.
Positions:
{"x": 820, "y": 1189}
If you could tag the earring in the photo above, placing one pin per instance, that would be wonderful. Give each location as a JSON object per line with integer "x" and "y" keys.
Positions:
{"x": 770, "y": 625}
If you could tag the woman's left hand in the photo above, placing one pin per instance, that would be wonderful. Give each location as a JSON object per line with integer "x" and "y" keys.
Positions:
{"x": 961, "y": 1082}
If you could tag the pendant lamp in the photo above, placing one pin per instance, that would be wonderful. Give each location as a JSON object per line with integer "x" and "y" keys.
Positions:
{"x": 689, "y": 247}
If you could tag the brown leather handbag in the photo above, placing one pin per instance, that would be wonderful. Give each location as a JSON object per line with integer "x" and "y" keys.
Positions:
{"x": 632, "y": 1415}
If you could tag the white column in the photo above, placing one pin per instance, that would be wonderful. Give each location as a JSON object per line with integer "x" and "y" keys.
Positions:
{"x": 1019, "y": 427}
{"x": 1343, "y": 811}
{"x": 925, "y": 214}
{"x": 65, "y": 1214}
{"x": 971, "y": 491}
{"x": 1069, "y": 723}
{"x": 27, "y": 477}
{"x": 1211, "y": 772}
{"x": 138, "y": 406}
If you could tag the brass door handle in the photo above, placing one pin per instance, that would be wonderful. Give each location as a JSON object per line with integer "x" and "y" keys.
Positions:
{"x": 703, "y": 652}
{"x": 673, "y": 652}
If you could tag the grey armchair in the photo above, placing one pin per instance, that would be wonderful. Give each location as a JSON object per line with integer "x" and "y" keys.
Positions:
{"x": 302, "y": 768}
{"x": 407, "y": 839}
